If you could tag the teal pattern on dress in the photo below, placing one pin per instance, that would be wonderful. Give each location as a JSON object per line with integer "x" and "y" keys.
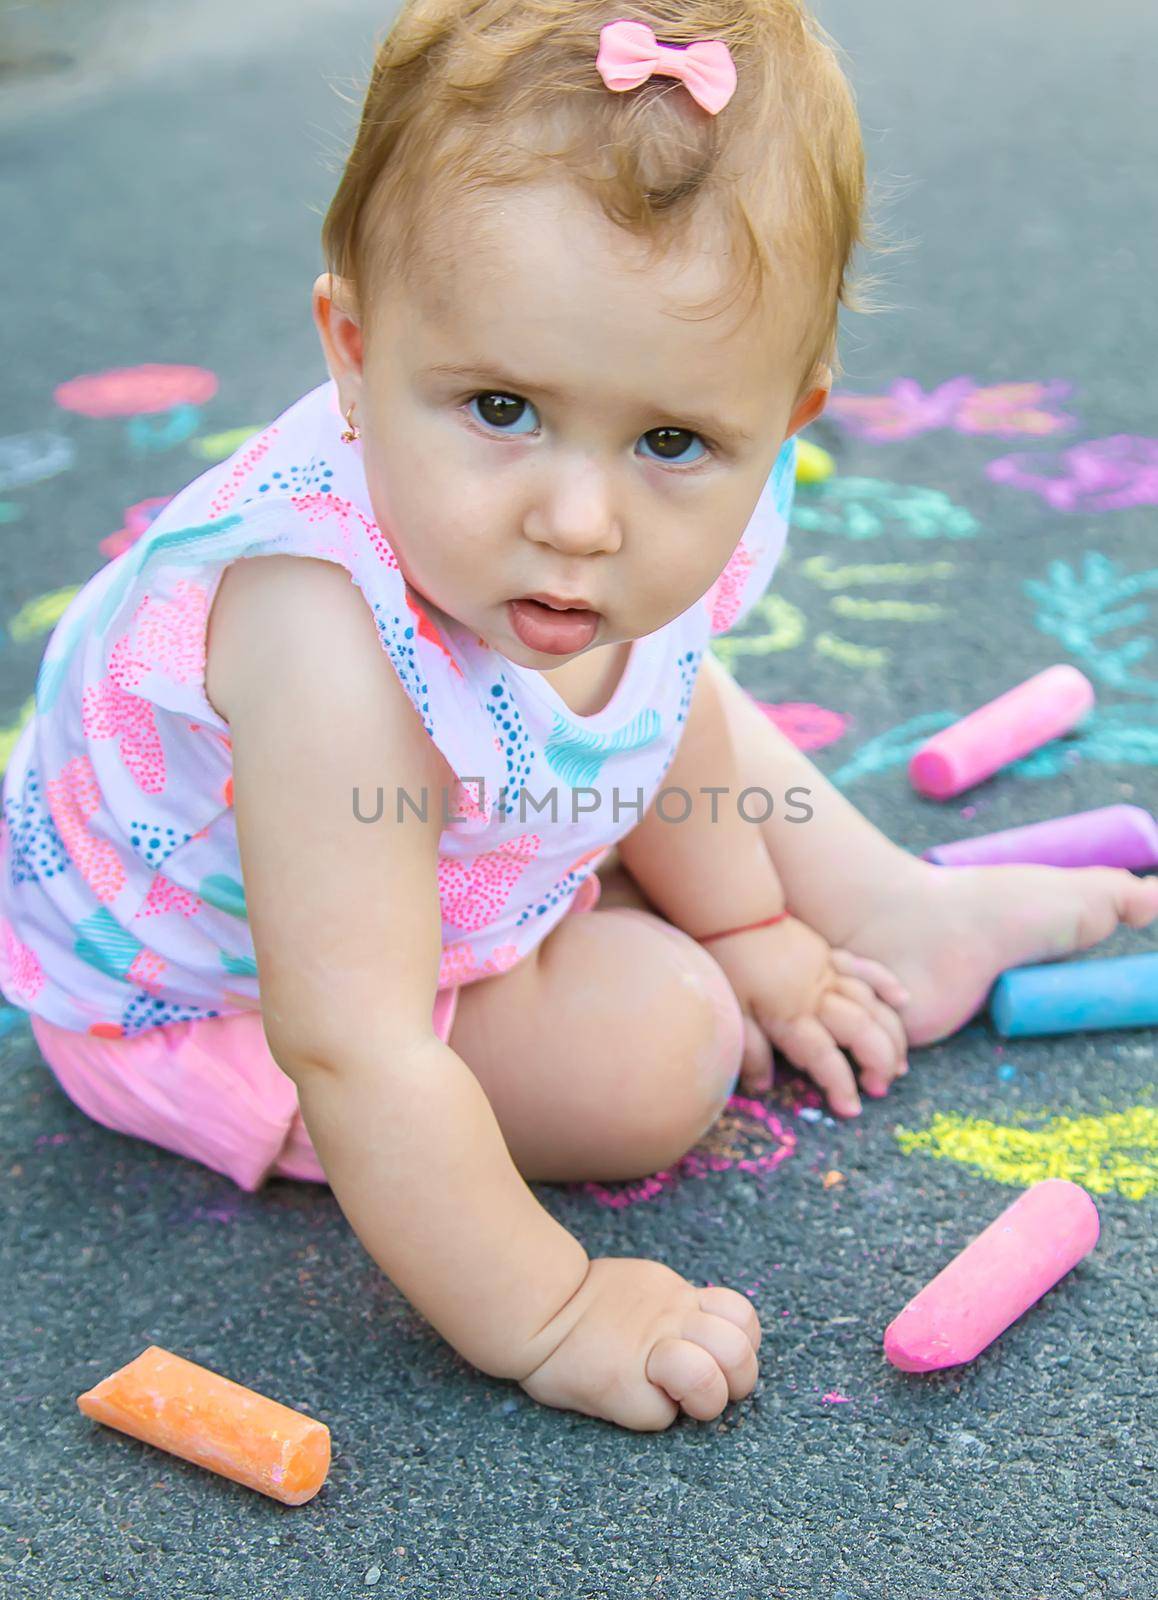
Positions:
{"x": 577, "y": 754}
{"x": 104, "y": 944}
{"x": 239, "y": 966}
{"x": 784, "y": 478}
{"x": 149, "y": 550}
{"x": 224, "y": 892}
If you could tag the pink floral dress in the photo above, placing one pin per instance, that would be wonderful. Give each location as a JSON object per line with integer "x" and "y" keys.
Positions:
{"x": 122, "y": 905}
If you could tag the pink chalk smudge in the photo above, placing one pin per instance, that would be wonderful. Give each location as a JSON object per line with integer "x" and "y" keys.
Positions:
{"x": 835, "y": 1399}
{"x": 810, "y": 727}
{"x": 138, "y": 519}
{"x": 1098, "y": 475}
{"x": 136, "y": 391}
{"x": 1007, "y": 410}
{"x": 748, "y": 1138}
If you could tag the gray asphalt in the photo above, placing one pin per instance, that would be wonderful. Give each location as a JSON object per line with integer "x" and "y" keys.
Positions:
{"x": 163, "y": 171}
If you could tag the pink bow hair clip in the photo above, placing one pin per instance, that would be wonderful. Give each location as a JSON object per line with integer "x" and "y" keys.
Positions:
{"x": 629, "y": 54}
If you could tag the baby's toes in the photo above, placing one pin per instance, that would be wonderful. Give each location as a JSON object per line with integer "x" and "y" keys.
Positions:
{"x": 1113, "y": 896}
{"x": 1139, "y": 900}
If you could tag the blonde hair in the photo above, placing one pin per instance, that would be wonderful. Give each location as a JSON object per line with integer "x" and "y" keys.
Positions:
{"x": 471, "y": 95}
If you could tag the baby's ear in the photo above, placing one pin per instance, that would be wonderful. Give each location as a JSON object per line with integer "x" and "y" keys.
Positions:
{"x": 812, "y": 401}
{"x": 336, "y": 315}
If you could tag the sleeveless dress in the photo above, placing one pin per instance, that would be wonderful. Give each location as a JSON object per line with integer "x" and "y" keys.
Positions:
{"x": 122, "y": 905}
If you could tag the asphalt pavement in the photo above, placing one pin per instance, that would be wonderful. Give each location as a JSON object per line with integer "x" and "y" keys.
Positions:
{"x": 163, "y": 172}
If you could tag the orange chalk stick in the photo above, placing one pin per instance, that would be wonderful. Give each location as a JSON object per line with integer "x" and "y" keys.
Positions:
{"x": 216, "y": 1423}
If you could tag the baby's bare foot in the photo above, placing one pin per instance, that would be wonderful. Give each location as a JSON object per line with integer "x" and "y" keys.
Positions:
{"x": 949, "y": 932}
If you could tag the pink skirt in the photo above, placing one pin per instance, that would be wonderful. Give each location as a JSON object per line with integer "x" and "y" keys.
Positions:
{"x": 208, "y": 1088}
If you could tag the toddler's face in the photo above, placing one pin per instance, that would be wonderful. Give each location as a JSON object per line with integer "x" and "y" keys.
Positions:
{"x": 594, "y": 448}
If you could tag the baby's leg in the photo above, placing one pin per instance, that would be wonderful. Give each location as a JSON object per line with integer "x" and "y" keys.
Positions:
{"x": 608, "y": 1052}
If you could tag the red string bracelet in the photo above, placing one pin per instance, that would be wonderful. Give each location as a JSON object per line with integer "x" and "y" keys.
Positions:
{"x": 746, "y": 928}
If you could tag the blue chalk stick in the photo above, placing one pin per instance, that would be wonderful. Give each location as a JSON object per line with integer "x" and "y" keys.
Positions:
{"x": 1077, "y": 996}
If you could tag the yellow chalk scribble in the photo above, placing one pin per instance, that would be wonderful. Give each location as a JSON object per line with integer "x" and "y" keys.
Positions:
{"x": 885, "y": 610}
{"x": 849, "y": 655}
{"x": 1113, "y": 1153}
{"x": 41, "y": 614}
{"x": 10, "y": 734}
{"x": 786, "y": 628}
{"x": 819, "y": 569}
{"x": 216, "y": 446}
{"x": 813, "y": 465}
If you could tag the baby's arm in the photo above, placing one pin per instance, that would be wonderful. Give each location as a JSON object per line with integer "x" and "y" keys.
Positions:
{"x": 713, "y": 871}
{"x": 347, "y": 930}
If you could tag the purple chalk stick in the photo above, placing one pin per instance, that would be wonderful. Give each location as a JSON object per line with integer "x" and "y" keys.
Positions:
{"x": 1114, "y": 836}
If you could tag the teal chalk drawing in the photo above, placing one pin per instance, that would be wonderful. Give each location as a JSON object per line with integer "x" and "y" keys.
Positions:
{"x": 1080, "y": 610}
{"x": 150, "y": 434}
{"x": 11, "y": 1018}
{"x": 578, "y": 754}
{"x": 190, "y": 547}
{"x": 10, "y": 511}
{"x": 104, "y": 944}
{"x": 27, "y": 458}
{"x": 239, "y": 966}
{"x": 892, "y": 749}
{"x": 224, "y": 892}
{"x": 1117, "y": 735}
{"x": 866, "y": 508}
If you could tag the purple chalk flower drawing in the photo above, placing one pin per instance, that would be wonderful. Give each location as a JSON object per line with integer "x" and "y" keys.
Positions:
{"x": 1099, "y": 475}
{"x": 1006, "y": 410}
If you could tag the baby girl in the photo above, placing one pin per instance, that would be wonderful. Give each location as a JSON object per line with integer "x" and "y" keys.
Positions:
{"x": 424, "y": 867}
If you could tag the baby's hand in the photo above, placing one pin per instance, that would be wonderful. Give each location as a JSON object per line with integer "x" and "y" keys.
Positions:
{"x": 638, "y": 1343}
{"x": 808, "y": 1000}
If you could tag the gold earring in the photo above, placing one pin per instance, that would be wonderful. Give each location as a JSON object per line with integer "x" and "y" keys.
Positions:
{"x": 352, "y": 430}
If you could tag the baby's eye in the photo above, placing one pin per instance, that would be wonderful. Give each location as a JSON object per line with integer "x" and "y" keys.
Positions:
{"x": 675, "y": 439}
{"x": 503, "y": 411}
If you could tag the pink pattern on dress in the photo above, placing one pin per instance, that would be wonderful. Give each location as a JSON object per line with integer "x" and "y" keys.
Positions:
{"x": 73, "y": 798}
{"x": 238, "y": 473}
{"x": 350, "y": 521}
{"x": 464, "y": 802}
{"x": 107, "y": 712}
{"x": 166, "y": 637}
{"x": 725, "y": 598}
{"x": 458, "y": 964}
{"x": 597, "y": 854}
{"x": 23, "y": 974}
{"x": 473, "y": 896}
{"x": 165, "y": 895}
{"x": 146, "y": 968}
{"x": 427, "y": 630}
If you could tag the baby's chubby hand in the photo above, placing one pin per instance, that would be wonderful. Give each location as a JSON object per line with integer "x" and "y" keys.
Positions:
{"x": 637, "y": 1344}
{"x": 807, "y": 999}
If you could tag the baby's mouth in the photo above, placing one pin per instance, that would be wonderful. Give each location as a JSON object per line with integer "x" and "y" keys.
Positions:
{"x": 550, "y": 630}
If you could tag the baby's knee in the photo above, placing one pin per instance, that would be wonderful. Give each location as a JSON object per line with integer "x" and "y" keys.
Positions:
{"x": 715, "y": 1037}
{"x": 695, "y": 1062}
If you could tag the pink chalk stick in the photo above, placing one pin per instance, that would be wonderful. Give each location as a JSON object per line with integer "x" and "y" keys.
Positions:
{"x": 1036, "y": 711}
{"x": 1112, "y": 836}
{"x": 1010, "y": 1265}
